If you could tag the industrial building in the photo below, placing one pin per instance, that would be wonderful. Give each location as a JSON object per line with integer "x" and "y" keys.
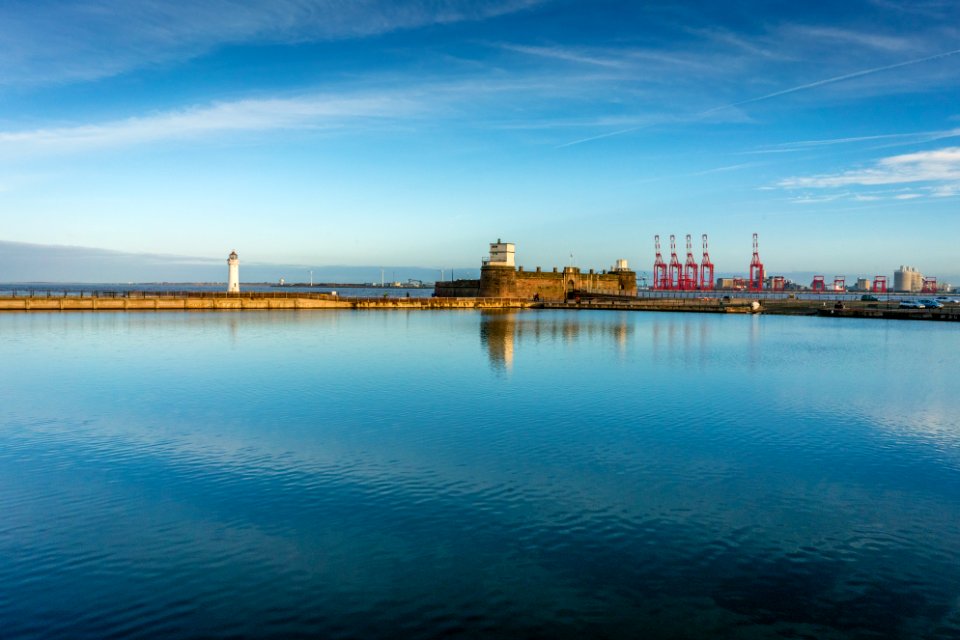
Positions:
{"x": 907, "y": 279}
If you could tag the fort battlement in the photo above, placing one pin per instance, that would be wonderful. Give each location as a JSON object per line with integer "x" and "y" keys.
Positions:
{"x": 508, "y": 282}
{"x": 499, "y": 278}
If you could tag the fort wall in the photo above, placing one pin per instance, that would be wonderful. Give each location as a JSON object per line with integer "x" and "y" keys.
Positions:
{"x": 457, "y": 289}
{"x": 505, "y": 282}
{"x": 498, "y": 281}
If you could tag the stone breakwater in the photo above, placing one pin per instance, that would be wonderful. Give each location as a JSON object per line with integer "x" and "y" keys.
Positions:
{"x": 785, "y": 307}
{"x": 293, "y": 302}
{"x": 252, "y": 302}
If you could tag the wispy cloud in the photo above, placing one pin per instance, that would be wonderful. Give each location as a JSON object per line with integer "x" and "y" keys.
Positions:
{"x": 601, "y": 136}
{"x": 819, "y": 199}
{"x": 317, "y": 111}
{"x": 622, "y": 58}
{"x": 879, "y": 41}
{"x": 729, "y": 40}
{"x": 63, "y": 40}
{"x": 946, "y": 190}
{"x": 655, "y": 120}
{"x": 352, "y": 109}
{"x": 567, "y": 54}
{"x": 725, "y": 169}
{"x": 916, "y": 137}
{"x": 879, "y": 196}
{"x": 926, "y": 8}
{"x": 731, "y": 57}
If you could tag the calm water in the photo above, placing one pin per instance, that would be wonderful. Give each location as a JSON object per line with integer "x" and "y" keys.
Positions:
{"x": 540, "y": 474}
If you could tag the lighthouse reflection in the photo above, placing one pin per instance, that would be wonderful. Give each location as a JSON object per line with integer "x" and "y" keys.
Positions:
{"x": 502, "y": 333}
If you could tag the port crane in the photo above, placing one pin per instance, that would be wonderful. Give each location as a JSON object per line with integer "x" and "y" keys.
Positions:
{"x": 660, "y": 280}
{"x": 706, "y": 268}
{"x": 756, "y": 269}
{"x": 690, "y": 268}
{"x": 676, "y": 269}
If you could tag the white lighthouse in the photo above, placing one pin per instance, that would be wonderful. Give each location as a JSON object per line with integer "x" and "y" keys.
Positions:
{"x": 233, "y": 280}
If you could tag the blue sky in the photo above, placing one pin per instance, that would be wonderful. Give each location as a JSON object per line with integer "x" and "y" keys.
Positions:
{"x": 325, "y": 132}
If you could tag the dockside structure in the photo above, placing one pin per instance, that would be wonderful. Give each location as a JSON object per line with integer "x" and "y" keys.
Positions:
{"x": 500, "y": 278}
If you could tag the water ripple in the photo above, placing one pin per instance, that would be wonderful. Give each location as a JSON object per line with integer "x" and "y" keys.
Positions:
{"x": 339, "y": 479}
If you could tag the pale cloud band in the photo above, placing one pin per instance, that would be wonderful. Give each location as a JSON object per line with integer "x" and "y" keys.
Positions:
{"x": 925, "y": 174}
{"x": 318, "y": 111}
{"x": 941, "y": 165}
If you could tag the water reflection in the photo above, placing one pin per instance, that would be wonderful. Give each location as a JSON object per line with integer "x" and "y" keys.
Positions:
{"x": 684, "y": 336}
{"x": 754, "y": 339}
{"x": 497, "y": 332}
{"x": 502, "y": 333}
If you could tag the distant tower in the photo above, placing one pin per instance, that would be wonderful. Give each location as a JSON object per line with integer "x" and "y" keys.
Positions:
{"x": 501, "y": 254}
{"x": 233, "y": 280}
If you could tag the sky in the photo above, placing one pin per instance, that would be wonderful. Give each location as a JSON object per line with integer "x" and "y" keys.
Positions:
{"x": 308, "y": 133}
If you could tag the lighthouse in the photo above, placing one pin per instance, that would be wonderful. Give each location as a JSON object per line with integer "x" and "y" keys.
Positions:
{"x": 233, "y": 280}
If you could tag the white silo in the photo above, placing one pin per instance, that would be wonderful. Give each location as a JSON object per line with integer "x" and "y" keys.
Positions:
{"x": 233, "y": 280}
{"x": 907, "y": 279}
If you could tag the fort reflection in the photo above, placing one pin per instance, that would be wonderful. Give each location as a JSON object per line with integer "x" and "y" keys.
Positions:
{"x": 497, "y": 334}
{"x": 503, "y": 332}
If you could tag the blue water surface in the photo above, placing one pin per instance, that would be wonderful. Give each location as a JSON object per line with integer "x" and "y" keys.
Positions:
{"x": 544, "y": 474}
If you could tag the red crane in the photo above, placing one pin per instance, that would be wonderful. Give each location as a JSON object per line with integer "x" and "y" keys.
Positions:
{"x": 706, "y": 267}
{"x": 839, "y": 283}
{"x": 880, "y": 284}
{"x": 690, "y": 268}
{"x": 778, "y": 283}
{"x": 676, "y": 269}
{"x": 756, "y": 268}
{"x": 929, "y": 285}
{"x": 818, "y": 285}
{"x": 659, "y": 268}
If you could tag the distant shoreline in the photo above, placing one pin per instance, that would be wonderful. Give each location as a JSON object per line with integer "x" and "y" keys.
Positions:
{"x": 342, "y": 285}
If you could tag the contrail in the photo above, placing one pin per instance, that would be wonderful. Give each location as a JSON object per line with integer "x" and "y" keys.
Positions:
{"x": 802, "y": 87}
{"x": 599, "y": 137}
{"x": 819, "y": 83}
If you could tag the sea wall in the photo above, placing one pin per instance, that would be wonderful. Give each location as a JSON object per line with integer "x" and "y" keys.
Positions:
{"x": 457, "y": 289}
{"x": 245, "y": 303}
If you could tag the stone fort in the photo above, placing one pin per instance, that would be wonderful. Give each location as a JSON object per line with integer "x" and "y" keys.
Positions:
{"x": 500, "y": 278}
